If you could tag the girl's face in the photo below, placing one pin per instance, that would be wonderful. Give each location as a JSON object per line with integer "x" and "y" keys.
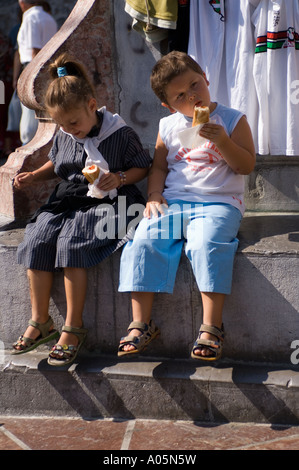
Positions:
{"x": 78, "y": 121}
{"x": 187, "y": 90}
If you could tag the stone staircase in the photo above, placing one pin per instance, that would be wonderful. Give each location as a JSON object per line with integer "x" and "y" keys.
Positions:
{"x": 256, "y": 381}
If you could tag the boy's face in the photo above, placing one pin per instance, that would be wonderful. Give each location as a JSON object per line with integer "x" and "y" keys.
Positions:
{"x": 187, "y": 90}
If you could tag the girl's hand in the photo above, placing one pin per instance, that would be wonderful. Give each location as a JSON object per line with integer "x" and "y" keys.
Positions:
{"x": 109, "y": 181}
{"x": 154, "y": 205}
{"x": 23, "y": 179}
{"x": 213, "y": 132}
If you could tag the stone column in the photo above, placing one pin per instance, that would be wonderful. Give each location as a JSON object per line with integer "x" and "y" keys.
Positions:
{"x": 88, "y": 36}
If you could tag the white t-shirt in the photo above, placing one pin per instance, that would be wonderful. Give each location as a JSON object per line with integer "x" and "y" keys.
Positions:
{"x": 276, "y": 74}
{"x": 222, "y": 42}
{"x": 36, "y": 30}
{"x": 201, "y": 174}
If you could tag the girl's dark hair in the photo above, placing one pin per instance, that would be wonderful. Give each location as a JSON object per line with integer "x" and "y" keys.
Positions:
{"x": 72, "y": 89}
{"x": 167, "y": 68}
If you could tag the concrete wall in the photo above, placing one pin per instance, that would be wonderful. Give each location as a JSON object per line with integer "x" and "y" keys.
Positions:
{"x": 138, "y": 105}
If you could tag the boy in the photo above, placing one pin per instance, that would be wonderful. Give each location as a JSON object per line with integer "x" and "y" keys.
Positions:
{"x": 205, "y": 186}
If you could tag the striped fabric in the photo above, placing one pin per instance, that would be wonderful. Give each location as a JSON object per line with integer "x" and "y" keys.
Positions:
{"x": 70, "y": 239}
{"x": 277, "y": 40}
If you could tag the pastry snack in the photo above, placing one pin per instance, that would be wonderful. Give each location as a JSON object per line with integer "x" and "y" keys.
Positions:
{"x": 201, "y": 115}
{"x": 91, "y": 173}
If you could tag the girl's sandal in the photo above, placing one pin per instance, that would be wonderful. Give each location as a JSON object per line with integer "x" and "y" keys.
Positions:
{"x": 148, "y": 333}
{"x": 46, "y": 334}
{"x": 214, "y": 346}
{"x": 62, "y": 355}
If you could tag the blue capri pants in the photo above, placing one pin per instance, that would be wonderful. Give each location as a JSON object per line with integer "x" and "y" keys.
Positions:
{"x": 208, "y": 233}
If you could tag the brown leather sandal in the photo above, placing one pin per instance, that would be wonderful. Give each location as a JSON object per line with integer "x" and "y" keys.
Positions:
{"x": 45, "y": 336}
{"x": 214, "y": 346}
{"x": 148, "y": 333}
{"x": 62, "y": 355}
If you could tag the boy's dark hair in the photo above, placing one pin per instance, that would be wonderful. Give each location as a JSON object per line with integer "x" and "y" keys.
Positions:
{"x": 167, "y": 68}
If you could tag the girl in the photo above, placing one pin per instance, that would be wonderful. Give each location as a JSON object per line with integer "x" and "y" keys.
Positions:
{"x": 62, "y": 233}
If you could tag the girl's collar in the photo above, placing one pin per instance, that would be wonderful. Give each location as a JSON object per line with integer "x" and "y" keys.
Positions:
{"x": 95, "y": 130}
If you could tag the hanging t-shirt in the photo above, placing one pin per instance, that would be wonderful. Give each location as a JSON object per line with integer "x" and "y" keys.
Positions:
{"x": 221, "y": 40}
{"x": 276, "y": 73}
{"x": 201, "y": 174}
{"x": 239, "y": 57}
{"x": 206, "y": 40}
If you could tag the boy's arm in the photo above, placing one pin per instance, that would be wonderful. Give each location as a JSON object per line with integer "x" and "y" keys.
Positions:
{"x": 156, "y": 180}
{"x": 237, "y": 150}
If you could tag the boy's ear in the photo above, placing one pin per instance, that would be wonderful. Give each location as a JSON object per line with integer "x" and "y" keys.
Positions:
{"x": 205, "y": 77}
{"x": 172, "y": 110}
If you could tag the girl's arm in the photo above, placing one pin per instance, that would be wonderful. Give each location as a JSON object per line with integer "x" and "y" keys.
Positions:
{"x": 43, "y": 173}
{"x": 114, "y": 180}
{"x": 238, "y": 149}
{"x": 156, "y": 180}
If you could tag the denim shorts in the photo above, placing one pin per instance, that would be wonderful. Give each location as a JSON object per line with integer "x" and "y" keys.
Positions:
{"x": 208, "y": 233}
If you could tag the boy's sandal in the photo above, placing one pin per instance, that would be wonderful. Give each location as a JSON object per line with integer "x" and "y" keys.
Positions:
{"x": 46, "y": 334}
{"x": 214, "y": 346}
{"x": 148, "y": 333}
{"x": 62, "y": 355}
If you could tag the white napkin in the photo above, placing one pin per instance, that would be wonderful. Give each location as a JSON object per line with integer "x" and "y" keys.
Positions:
{"x": 190, "y": 138}
{"x": 111, "y": 123}
{"x": 94, "y": 191}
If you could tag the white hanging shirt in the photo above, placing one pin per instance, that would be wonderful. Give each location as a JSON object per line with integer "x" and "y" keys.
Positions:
{"x": 222, "y": 41}
{"x": 276, "y": 75}
{"x": 206, "y": 40}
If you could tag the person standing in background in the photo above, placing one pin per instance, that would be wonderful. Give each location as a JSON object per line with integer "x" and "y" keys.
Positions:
{"x": 36, "y": 30}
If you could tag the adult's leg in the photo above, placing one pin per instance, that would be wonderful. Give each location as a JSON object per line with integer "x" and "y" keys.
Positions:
{"x": 28, "y": 125}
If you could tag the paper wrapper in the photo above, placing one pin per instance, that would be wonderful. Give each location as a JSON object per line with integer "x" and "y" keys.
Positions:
{"x": 94, "y": 191}
{"x": 190, "y": 138}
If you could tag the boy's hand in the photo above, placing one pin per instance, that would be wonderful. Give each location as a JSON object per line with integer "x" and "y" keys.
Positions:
{"x": 154, "y": 205}
{"x": 214, "y": 132}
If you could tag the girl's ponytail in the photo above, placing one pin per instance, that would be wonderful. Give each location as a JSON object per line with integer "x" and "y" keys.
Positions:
{"x": 70, "y": 85}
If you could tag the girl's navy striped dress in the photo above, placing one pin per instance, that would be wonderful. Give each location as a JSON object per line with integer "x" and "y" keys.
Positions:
{"x": 65, "y": 231}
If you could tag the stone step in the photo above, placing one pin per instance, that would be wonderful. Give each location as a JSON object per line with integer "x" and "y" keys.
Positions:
{"x": 256, "y": 381}
{"x": 172, "y": 389}
{"x": 273, "y": 185}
